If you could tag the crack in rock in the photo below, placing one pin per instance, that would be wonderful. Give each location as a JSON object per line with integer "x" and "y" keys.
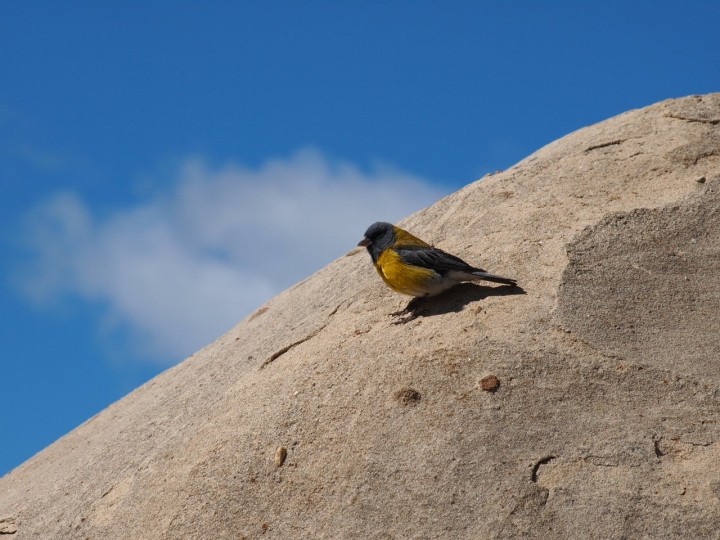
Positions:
{"x": 712, "y": 121}
{"x": 658, "y": 452}
{"x": 536, "y": 468}
{"x": 603, "y": 145}
{"x": 311, "y": 335}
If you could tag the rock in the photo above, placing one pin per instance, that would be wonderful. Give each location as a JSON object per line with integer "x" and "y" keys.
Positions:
{"x": 608, "y": 427}
{"x": 8, "y": 525}
{"x": 490, "y": 383}
{"x": 280, "y": 455}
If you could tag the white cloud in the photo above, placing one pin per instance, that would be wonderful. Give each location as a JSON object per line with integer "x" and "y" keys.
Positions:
{"x": 181, "y": 269}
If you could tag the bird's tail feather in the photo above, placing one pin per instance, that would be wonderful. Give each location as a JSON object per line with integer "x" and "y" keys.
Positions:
{"x": 495, "y": 279}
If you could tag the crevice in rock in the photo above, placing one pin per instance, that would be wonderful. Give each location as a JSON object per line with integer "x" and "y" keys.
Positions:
{"x": 694, "y": 444}
{"x": 603, "y": 145}
{"x": 285, "y": 349}
{"x": 543, "y": 461}
{"x": 712, "y": 121}
{"x": 600, "y": 461}
{"x": 659, "y": 453}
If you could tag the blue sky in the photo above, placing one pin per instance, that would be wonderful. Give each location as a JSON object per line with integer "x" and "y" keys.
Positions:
{"x": 163, "y": 164}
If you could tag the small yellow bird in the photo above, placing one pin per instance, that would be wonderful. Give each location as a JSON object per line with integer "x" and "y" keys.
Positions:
{"x": 410, "y": 266}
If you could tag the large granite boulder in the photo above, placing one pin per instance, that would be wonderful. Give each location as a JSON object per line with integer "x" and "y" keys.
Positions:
{"x": 605, "y": 422}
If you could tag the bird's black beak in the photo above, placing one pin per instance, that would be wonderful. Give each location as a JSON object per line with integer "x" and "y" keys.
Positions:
{"x": 365, "y": 242}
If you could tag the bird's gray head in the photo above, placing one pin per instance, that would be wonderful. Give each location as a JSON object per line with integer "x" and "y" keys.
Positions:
{"x": 378, "y": 237}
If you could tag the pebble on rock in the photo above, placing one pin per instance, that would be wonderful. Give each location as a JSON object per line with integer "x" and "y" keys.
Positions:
{"x": 280, "y": 455}
{"x": 490, "y": 383}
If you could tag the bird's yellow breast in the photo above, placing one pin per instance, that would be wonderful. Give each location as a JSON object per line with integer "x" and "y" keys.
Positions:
{"x": 404, "y": 278}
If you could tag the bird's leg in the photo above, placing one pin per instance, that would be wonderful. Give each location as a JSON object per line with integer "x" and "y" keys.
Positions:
{"x": 412, "y": 305}
{"x": 411, "y": 310}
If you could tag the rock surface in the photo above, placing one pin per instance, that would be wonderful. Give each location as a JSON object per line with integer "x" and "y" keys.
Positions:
{"x": 605, "y": 422}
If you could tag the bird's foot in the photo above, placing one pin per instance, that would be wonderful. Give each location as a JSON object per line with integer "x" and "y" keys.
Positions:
{"x": 412, "y": 310}
{"x": 400, "y": 313}
{"x": 407, "y": 319}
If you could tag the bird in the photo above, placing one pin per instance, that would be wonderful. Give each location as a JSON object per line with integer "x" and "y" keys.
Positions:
{"x": 413, "y": 267}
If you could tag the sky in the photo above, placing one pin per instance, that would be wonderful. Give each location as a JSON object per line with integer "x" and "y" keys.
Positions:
{"x": 168, "y": 166}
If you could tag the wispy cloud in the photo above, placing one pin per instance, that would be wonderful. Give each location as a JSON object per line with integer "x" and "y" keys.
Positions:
{"x": 182, "y": 268}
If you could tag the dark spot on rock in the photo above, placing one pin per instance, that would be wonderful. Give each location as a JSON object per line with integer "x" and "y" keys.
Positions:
{"x": 490, "y": 383}
{"x": 658, "y": 452}
{"x": 407, "y": 396}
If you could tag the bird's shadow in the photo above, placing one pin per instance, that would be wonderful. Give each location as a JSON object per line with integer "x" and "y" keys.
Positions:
{"x": 453, "y": 300}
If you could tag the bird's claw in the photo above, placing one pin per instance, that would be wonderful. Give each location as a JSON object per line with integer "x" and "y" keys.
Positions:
{"x": 411, "y": 310}
{"x": 407, "y": 319}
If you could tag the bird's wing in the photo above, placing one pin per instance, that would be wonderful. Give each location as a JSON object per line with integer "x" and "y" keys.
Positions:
{"x": 434, "y": 259}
